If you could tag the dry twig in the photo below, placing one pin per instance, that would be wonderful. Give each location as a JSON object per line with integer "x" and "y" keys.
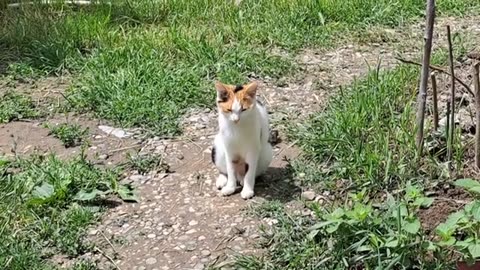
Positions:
{"x": 476, "y": 84}
{"x": 422, "y": 95}
{"x": 435, "y": 100}
{"x": 439, "y": 69}
{"x": 452, "y": 95}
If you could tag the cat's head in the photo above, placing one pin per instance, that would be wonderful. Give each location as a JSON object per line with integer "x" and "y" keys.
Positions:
{"x": 236, "y": 101}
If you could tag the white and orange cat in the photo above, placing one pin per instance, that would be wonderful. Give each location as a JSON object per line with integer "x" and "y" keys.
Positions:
{"x": 241, "y": 150}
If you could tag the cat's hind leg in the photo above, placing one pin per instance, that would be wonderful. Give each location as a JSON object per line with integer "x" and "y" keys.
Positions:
{"x": 264, "y": 160}
{"x": 219, "y": 159}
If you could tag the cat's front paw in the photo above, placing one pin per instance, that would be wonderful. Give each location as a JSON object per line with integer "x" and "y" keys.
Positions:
{"x": 221, "y": 181}
{"x": 247, "y": 193}
{"x": 227, "y": 190}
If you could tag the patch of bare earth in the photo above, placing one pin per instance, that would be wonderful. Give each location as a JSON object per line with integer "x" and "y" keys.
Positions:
{"x": 181, "y": 222}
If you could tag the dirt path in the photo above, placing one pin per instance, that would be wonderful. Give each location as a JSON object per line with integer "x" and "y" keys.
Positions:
{"x": 181, "y": 221}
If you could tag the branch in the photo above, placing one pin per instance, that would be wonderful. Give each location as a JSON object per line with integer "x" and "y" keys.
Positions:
{"x": 439, "y": 69}
{"x": 452, "y": 94}
{"x": 422, "y": 92}
{"x": 476, "y": 84}
{"x": 435, "y": 100}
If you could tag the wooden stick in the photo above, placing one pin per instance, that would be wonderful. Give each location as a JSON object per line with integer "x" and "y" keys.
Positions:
{"x": 452, "y": 93}
{"x": 476, "y": 84}
{"x": 447, "y": 128}
{"x": 435, "y": 100}
{"x": 422, "y": 94}
{"x": 439, "y": 69}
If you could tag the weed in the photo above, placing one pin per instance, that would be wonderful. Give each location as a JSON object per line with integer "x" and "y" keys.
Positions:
{"x": 146, "y": 163}
{"x": 71, "y": 135}
{"x": 365, "y": 134}
{"x": 42, "y": 211}
{"x": 356, "y": 235}
{"x": 460, "y": 230}
{"x": 15, "y": 106}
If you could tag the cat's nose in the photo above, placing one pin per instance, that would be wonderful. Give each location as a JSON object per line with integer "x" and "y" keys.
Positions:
{"x": 236, "y": 121}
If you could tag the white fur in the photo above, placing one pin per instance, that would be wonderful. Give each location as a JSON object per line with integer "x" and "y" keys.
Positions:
{"x": 245, "y": 135}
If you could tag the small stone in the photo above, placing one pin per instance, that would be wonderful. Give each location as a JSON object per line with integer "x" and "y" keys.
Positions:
{"x": 201, "y": 238}
{"x": 151, "y": 261}
{"x": 103, "y": 156}
{"x": 137, "y": 177}
{"x": 206, "y": 253}
{"x": 308, "y": 195}
{"x": 117, "y": 132}
{"x": 152, "y": 235}
{"x": 199, "y": 266}
{"x": 141, "y": 268}
{"x": 193, "y": 223}
{"x": 239, "y": 220}
{"x": 191, "y": 231}
{"x": 93, "y": 232}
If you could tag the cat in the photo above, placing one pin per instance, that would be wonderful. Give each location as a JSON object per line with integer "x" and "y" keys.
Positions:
{"x": 241, "y": 150}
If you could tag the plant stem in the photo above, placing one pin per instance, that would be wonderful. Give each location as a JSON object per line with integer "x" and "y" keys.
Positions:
{"x": 452, "y": 95}
{"x": 435, "y": 101}
{"x": 422, "y": 94}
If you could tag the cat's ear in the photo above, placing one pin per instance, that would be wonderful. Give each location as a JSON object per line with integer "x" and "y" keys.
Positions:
{"x": 222, "y": 91}
{"x": 251, "y": 89}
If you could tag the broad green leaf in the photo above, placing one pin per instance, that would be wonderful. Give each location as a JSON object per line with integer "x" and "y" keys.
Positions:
{"x": 474, "y": 250}
{"x": 44, "y": 191}
{"x": 445, "y": 230}
{"x": 429, "y": 245}
{"x": 412, "y": 226}
{"x": 476, "y": 212}
{"x": 423, "y": 201}
{"x": 391, "y": 244}
{"x": 127, "y": 194}
{"x": 333, "y": 228}
{"x": 474, "y": 189}
{"x": 411, "y": 192}
{"x": 338, "y": 213}
{"x": 453, "y": 219}
{"x": 464, "y": 244}
{"x": 467, "y": 183}
{"x": 447, "y": 242}
{"x": 323, "y": 224}
{"x": 82, "y": 195}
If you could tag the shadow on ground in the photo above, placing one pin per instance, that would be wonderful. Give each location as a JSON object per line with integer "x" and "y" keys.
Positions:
{"x": 277, "y": 184}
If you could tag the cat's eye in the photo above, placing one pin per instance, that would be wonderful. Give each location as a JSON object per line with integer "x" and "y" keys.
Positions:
{"x": 243, "y": 109}
{"x": 229, "y": 110}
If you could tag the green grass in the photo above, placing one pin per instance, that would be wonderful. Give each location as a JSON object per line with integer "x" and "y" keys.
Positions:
{"x": 44, "y": 210}
{"x": 15, "y": 106}
{"x": 142, "y": 63}
{"x": 71, "y": 135}
{"x": 146, "y": 163}
{"x": 354, "y": 234}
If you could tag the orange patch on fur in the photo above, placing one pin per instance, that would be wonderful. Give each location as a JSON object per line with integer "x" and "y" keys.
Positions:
{"x": 227, "y": 94}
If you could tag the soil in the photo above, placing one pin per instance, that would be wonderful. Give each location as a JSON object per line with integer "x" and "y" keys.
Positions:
{"x": 181, "y": 221}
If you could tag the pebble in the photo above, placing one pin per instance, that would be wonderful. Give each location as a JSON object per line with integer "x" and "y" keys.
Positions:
{"x": 193, "y": 223}
{"x": 191, "y": 231}
{"x": 152, "y": 235}
{"x": 151, "y": 261}
{"x": 308, "y": 195}
{"x": 206, "y": 253}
